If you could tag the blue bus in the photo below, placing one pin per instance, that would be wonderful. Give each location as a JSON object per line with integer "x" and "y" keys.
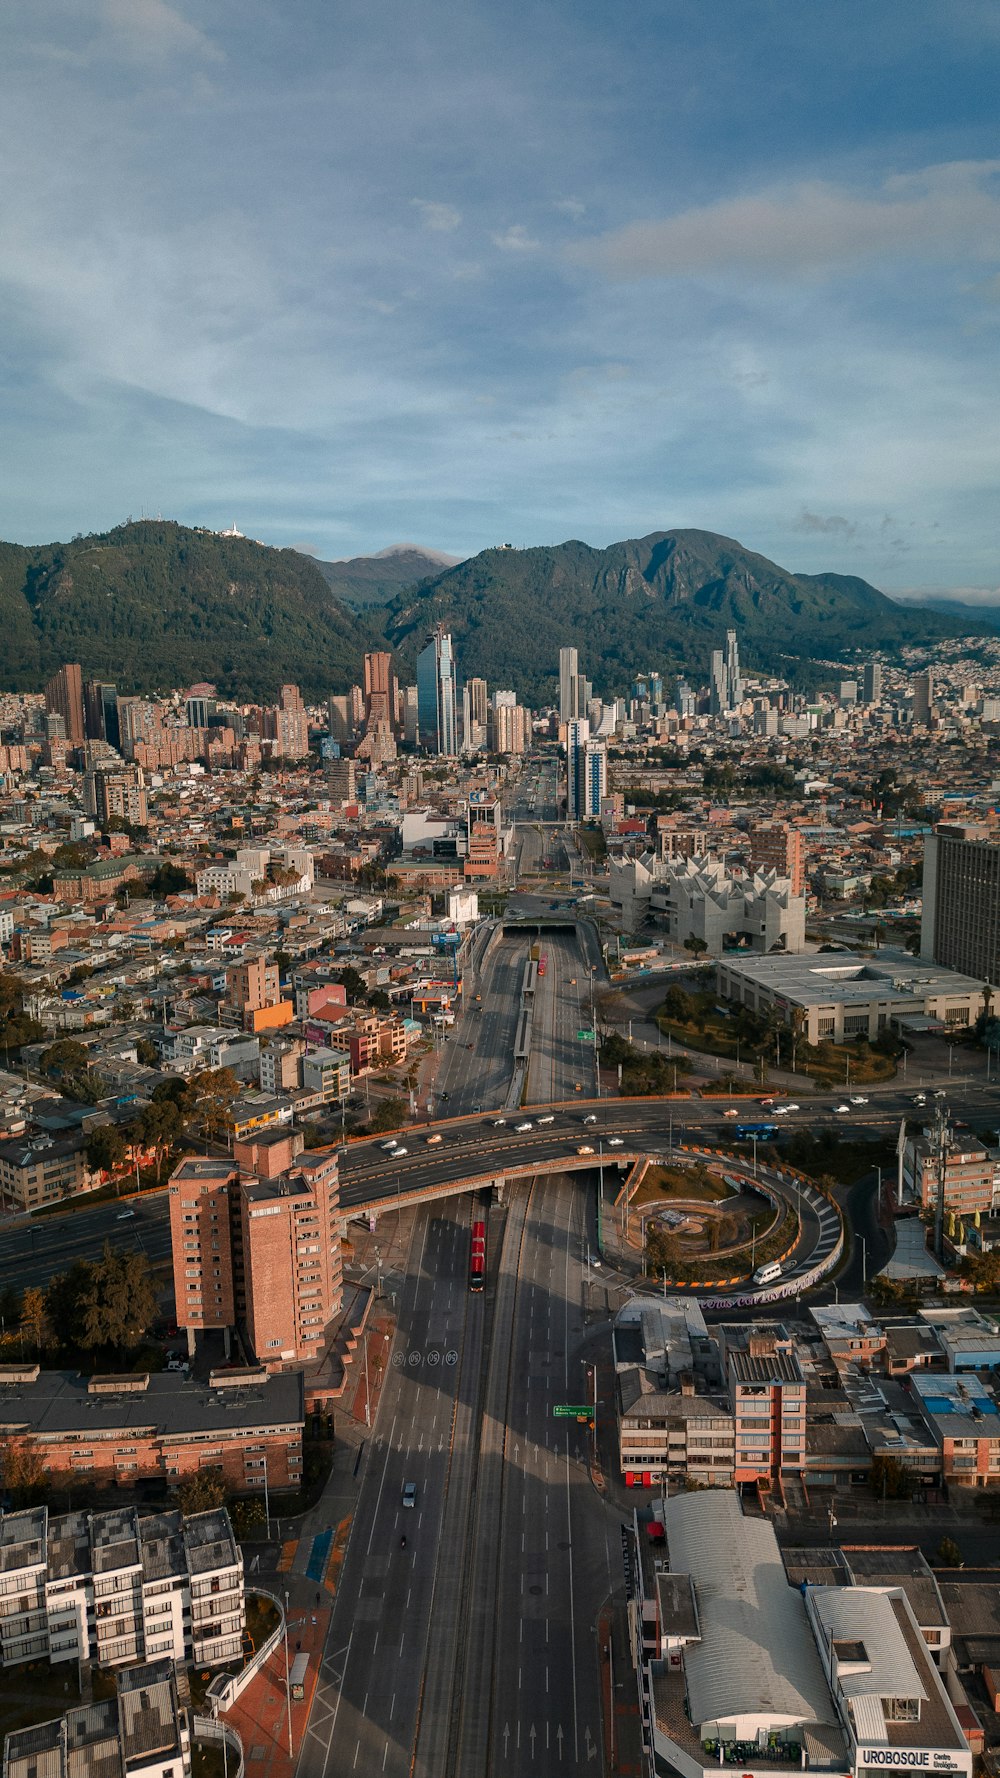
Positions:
{"x": 758, "y": 1132}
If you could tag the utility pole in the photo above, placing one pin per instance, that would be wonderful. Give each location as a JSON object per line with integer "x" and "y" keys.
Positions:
{"x": 940, "y": 1141}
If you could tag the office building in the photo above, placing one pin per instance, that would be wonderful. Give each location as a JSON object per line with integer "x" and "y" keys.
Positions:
{"x": 841, "y": 996}
{"x": 871, "y": 689}
{"x": 923, "y": 699}
{"x": 958, "y": 1172}
{"x": 725, "y": 682}
{"x": 113, "y": 1587}
{"x": 263, "y": 1253}
{"x": 767, "y": 1392}
{"x": 436, "y": 696}
{"x": 960, "y": 922}
{"x": 116, "y": 790}
{"x": 380, "y": 688}
{"x": 341, "y": 780}
{"x": 100, "y": 712}
{"x": 569, "y": 706}
{"x": 64, "y": 696}
{"x": 289, "y": 724}
{"x": 144, "y": 1732}
{"x": 340, "y": 719}
{"x": 577, "y": 739}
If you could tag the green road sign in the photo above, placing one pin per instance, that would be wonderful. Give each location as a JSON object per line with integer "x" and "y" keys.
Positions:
{"x": 586, "y": 1036}
{"x": 562, "y": 1411}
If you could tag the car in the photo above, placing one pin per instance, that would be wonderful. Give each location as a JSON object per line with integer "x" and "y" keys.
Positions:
{"x": 841, "y": 1108}
{"x": 124, "y": 1215}
{"x": 615, "y": 1142}
{"x": 522, "y": 1129}
{"x": 591, "y": 1118}
{"x": 399, "y": 1153}
{"x": 572, "y": 981}
{"x": 409, "y": 1494}
{"x": 393, "y": 1142}
{"x": 859, "y": 1099}
{"x": 791, "y": 1106}
{"x": 920, "y": 1098}
{"x": 434, "y": 1137}
{"x": 765, "y": 1101}
{"x": 178, "y": 1365}
{"x": 498, "y": 1123}
{"x": 470, "y": 1046}
{"x": 940, "y": 1092}
{"x": 732, "y": 1112}
{"x": 584, "y": 1148}
{"x": 548, "y": 1119}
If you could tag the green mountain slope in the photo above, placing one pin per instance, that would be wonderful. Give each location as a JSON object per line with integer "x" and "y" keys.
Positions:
{"x": 157, "y": 605}
{"x": 661, "y": 601}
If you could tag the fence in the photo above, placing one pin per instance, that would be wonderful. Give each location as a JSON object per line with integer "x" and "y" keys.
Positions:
{"x": 205, "y": 1728}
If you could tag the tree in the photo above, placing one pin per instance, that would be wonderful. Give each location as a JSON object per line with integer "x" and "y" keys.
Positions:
{"x": 678, "y": 1004}
{"x": 105, "y": 1148}
{"x": 203, "y": 1491}
{"x": 34, "y": 1317}
{"x": 159, "y": 1126}
{"x": 663, "y": 1251}
{"x": 62, "y": 1303}
{"x": 23, "y": 1475}
{"x": 217, "y": 1090}
{"x": 66, "y": 1056}
{"x": 352, "y": 983}
{"x": 169, "y": 879}
{"x": 117, "y": 1303}
{"x": 695, "y": 945}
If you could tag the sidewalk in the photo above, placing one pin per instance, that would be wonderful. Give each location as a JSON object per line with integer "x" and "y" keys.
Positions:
{"x": 261, "y": 1714}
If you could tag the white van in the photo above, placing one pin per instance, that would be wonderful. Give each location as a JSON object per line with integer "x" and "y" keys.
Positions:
{"x": 768, "y": 1273}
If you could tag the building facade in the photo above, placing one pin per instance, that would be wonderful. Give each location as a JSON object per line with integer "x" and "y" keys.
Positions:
{"x": 960, "y": 923}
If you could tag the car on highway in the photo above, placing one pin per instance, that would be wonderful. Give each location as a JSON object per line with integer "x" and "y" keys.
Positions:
{"x": 498, "y": 1123}
{"x": 732, "y": 1112}
{"x": 765, "y": 1101}
{"x": 548, "y": 1119}
{"x": 591, "y": 1118}
{"x": 409, "y": 1494}
{"x": 584, "y": 1148}
{"x": 859, "y": 1099}
{"x": 615, "y": 1142}
{"x": 399, "y": 1152}
{"x": 435, "y": 1136}
{"x": 124, "y": 1215}
{"x": 783, "y": 1110}
{"x": 841, "y": 1108}
{"x": 387, "y": 1147}
{"x": 920, "y": 1098}
{"x": 522, "y": 1129}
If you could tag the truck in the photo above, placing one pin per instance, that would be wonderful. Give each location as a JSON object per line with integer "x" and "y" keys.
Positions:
{"x": 298, "y": 1676}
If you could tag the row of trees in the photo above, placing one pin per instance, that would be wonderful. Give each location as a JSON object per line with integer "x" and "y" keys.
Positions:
{"x": 103, "y": 1307}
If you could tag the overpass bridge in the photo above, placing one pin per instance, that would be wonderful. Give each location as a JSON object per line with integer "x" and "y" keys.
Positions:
{"x": 489, "y": 1151}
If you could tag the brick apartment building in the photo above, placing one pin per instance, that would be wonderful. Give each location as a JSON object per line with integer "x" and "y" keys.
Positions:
{"x": 767, "y": 1391}
{"x": 120, "y": 1429}
{"x": 255, "y": 1243}
{"x": 969, "y": 1173}
{"x": 776, "y": 846}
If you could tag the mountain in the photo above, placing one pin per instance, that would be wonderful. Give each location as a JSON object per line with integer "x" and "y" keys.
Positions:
{"x": 155, "y": 605}
{"x": 364, "y": 581}
{"x": 661, "y": 601}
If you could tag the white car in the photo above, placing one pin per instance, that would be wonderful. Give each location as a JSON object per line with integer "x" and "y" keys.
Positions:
{"x": 522, "y": 1129}
{"x": 841, "y": 1108}
{"x": 616, "y": 1142}
{"x": 585, "y": 1148}
{"x": 387, "y": 1147}
{"x": 499, "y": 1122}
{"x": 859, "y": 1099}
{"x": 398, "y": 1153}
{"x": 591, "y": 1118}
{"x": 732, "y": 1112}
{"x": 547, "y": 1120}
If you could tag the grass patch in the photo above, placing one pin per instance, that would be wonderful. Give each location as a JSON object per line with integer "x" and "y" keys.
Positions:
{"x": 695, "y": 1020}
{"x": 681, "y": 1182}
{"x": 645, "y": 1073}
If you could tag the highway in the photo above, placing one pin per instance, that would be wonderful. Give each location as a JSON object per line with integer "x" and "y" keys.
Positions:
{"x": 33, "y": 1252}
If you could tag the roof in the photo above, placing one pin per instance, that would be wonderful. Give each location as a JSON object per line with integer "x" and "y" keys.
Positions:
{"x": 58, "y": 1404}
{"x": 757, "y": 1657}
{"x": 873, "y": 1659}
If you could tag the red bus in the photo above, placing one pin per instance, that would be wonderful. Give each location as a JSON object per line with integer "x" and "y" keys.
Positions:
{"x": 477, "y": 1256}
{"x": 543, "y": 964}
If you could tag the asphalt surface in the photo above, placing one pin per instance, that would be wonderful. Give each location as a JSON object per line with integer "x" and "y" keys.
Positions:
{"x": 32, "y": 1253}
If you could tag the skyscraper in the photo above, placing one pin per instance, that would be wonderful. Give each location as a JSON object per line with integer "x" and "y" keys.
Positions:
{"x": 717, "y": 683}
{"x": 64, "y": 695}
{"x": 100, "y": 712}
{"x": 436, "y": 695}
{"x": 871, "y": 690}
{"x": 923, "y": 698}
{"x": 734, "y": 682}
{"x": 960, "y": 925}
{"x": 569, "y": 707}
{"x": 380, "y": 688}
{"x": 725, "y": 681}
{"x": 586, "y": 772}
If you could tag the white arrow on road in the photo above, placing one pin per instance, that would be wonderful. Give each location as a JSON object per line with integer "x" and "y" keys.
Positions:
{"x": 531, "y": 1738}
{"x": 559, "y": 1738}
{"x": 506, "y": 1738}
{"x": 591, "y": 1744}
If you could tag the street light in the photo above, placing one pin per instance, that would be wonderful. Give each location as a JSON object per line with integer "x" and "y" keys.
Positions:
{"x": 288, "y": 1688}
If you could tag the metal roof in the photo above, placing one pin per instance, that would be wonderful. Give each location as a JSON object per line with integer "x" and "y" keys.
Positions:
{"x": 757, "y": 1656}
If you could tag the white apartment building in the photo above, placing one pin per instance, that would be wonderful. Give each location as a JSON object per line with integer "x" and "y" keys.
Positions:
{"x": 114, "y": 1588}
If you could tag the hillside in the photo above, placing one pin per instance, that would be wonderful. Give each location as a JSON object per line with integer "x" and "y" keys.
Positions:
{"x": 154, "y": 604}
{"x": 660, "y": 601}
{"x": 365, "y": 581}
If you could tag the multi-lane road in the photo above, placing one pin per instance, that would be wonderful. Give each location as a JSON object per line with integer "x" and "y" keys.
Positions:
{"x": 473, "y": 1649}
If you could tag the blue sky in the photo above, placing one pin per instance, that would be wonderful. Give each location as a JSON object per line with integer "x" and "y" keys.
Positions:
{"x": 455, "y": 273}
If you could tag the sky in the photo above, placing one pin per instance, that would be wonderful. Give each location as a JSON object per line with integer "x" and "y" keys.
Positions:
{"x": 459, "y": 273}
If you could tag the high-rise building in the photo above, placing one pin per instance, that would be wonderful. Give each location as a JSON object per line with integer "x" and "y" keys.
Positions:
{"x": 64, "y": 693}
{"x": 116, "y": 789}
{"x": 341, "y": 780}
{"x": 734, "y": 681}
{"x": 871, "y": 689}
{"x": 200, "y": 710}
{"x": 380, "y": 688}
{"x": 923, "y": 698}
{"x": 725, "y": 682}
{"x": 960, "y": 924}
{"x": 291, "y": 724}
{"x": 776, "y": 846}
{"x": 340, "y": 719}
{"x": 100, "y": 712}
{"x": 478, "y": 701}
{"x": 436, "y": 699}
{"x": 586, "y": 772}
{"x": 569, "y": 706}
{"x": 509, "y": 725}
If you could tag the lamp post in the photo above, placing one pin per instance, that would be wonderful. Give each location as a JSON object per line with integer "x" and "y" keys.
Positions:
{"x": 267, "y": 1505}
{"x": 288, "y": 1688}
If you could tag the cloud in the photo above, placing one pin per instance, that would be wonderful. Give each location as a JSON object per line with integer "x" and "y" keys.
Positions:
{"x": 827, "y": 525}
{"x": 961, "y": 595}
{"x": 150, "y": 30}
{"x": 515, "y": 239}
{"x": 570, "y": 207}
{"x": 442, "y": 219}
{"x": 812, "y": 227}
